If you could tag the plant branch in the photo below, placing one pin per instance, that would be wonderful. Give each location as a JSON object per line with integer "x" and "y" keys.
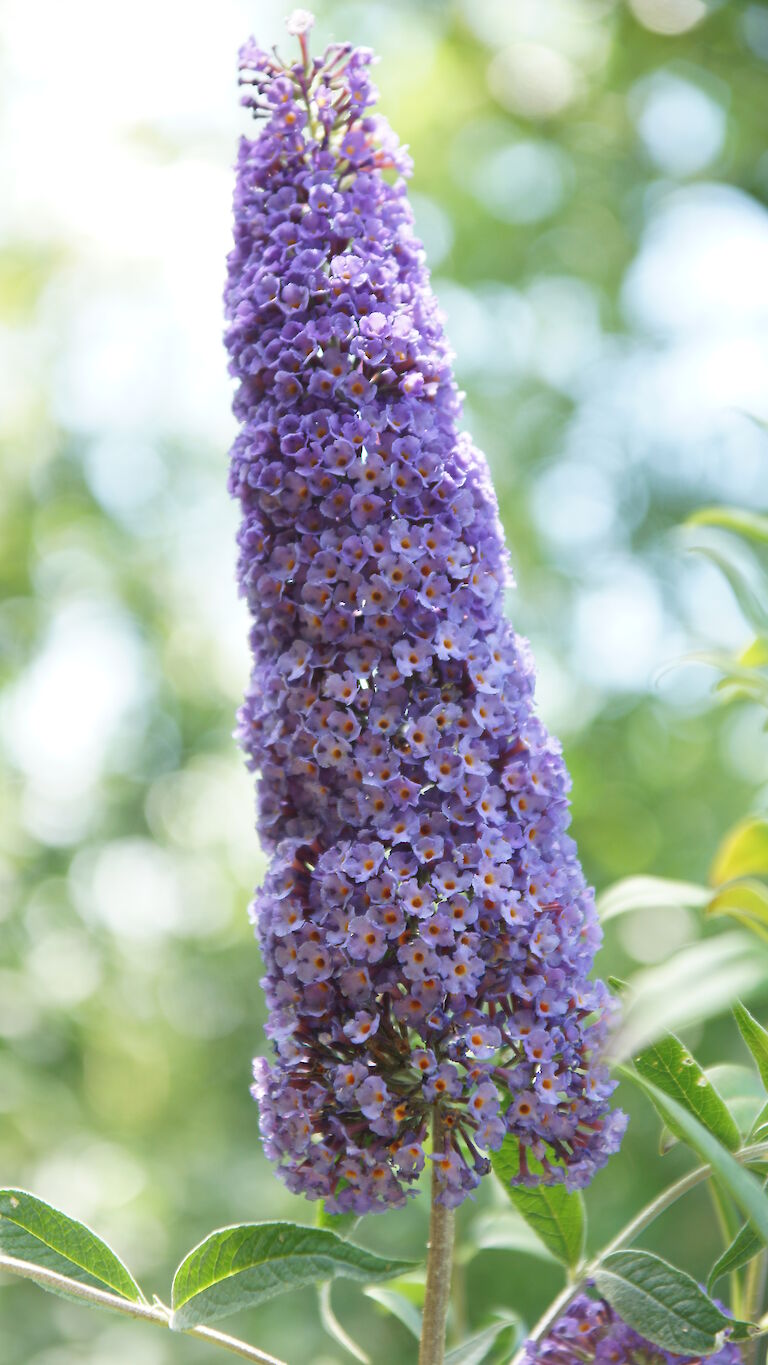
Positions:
{"x": 146, "y": 1312}
{"x": 439, "y": 1265}
{"x": 757, "y": 1152}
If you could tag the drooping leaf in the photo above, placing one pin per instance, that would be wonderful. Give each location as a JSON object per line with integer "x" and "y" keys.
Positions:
{"x": 697, "y": 983}
{"x": 661, "y": 1302}
{"x": 647, "y": 893}
{"x": 670, "y": 1066}
{"x": 750, "y": 602}
{"x": 743, "y": 1187}
{"x": 743, "y": 852}
{"x": 398, "y": 1305}
{"x": 506, "y": 1231}
{"x": 737, "y": 519}
{"x": 744, "y": 1247}
{"x": 475, "y": 1348}
{"x": 241, "y": 1266}
{"x": 34, "y": 1231}
{"x": 746, "y": 901}
{"x": 555, "y": 1215}
{"x": 755, "y": 1037}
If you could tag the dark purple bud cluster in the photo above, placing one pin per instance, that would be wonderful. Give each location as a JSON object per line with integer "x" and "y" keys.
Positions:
{"x": 590, "y": 1330}
{"x": 425, "y": 925}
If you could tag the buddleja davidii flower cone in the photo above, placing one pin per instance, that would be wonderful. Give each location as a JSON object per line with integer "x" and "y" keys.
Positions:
{"x": 424, "y": 922}
{"x": 589, "y": 1329}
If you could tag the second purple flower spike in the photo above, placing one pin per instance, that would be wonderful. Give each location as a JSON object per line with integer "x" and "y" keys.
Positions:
{"x": 425, "y": 924}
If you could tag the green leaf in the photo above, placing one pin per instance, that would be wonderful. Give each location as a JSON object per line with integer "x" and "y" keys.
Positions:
{"x": 755, "y": 1037}
{"x": 750, "y": 602}
{"x": 697, "y": 983}
{"x": 744, "y": 1247}
{"x": 646, "y": 893}
{"x": 556, "y": 1216}
{"x": 661, "y": 1302}
{"x": 746, "y": 901}
{"x": 398, "y": 1305}
{"x": 743, "y": 852}
{"x": 34, "y": 1231}
{"x": 736, "y": 519}
{"x": 669, "y": 1065}
{"x": 760, "y": 1123}
{"x": 475, "y": 1348}
{"x": 342, "y": 1223}
{"x": 743, "y": 1187}
{"x": 506, "y": 1231}
{"x": 241, "y": 1266}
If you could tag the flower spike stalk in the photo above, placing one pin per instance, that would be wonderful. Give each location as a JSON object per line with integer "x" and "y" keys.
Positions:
{"x": 424, "y": 921}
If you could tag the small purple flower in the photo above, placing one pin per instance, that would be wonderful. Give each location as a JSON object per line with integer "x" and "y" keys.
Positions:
{"x": 589, "y": 1329}
{"x": 424, "y": 922}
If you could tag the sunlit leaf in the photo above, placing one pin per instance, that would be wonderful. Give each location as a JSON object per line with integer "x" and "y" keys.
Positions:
{"x": 743, "y": 522}
{"x": 241, "y": 1266}
{"x": 661, "y": 1302}
{"x": 670, "y": 1066}
{"x": 755, "y": 1037}
{"x": 650, "y": 893}
{"x": 34, "y": 1231}
{"x": 743, "y": 852}
{"x": 697, "y": 983}
{"x": 555, "y": 1215}
{"x": 745, "y": 901}
{"x": 751, "y": 603}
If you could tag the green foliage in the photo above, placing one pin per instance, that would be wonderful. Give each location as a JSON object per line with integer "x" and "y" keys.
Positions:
{"x": 476, "y": 1348}
{"x": 661, "y": 1302}
{"x": 556, "y": 1216}
{"x": 743, "y": 1249}
{"x": 669, "y": 1065}
{"x": 31, "y": 1230}
{"x": 129, "y": 1003}
{"x": 740, "y": 1184}
{"x": 242, "y": 1266}
{"x": 756, "y": 1039}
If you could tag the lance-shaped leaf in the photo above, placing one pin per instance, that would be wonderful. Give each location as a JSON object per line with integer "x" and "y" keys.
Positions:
{"x": 744, "y": 1188}
{"x": 241, "y": 1266}
{"x": 742, "y": 522}
{"x": 650, "y": 893}
{"x": 755, "y": 1037}
{"x": 475, "y": 1348}
{"x": 669, "y": 1065}
{"x": 743, "y": 852}
{"x": 742, "y": 1249}
{"x": 34, "y": 1231}
{"x": 555, "y": 1215}
{"x": 661, "y": 1302}
{"x": 746, "y": 901}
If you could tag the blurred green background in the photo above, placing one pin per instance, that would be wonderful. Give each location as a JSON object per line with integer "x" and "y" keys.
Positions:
{"x": 590, "y": 186}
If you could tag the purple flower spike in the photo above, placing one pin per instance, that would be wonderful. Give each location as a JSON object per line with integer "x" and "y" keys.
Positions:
{"x": 424, "y": 921}
{"x": 589, "y": 1329}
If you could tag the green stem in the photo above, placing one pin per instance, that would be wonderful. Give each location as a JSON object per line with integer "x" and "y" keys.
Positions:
{"x": 727, "y": 1232}
{"x": 754, "y": 1293}
{"x": 439, "y": 1262}
{"x": 632, "y": 1229}
{"x": 158, "y": 1314}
